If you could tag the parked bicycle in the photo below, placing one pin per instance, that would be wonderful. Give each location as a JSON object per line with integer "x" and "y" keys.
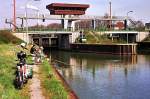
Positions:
{"x": 21, "y": 74}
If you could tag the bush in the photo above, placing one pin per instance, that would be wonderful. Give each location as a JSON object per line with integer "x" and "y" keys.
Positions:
{"x": 7, "y": 37}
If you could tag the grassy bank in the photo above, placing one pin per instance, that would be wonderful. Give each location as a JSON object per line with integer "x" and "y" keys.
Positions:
{"x": 6, "y": 38}
{"x": 96, "y": 37}
{"x": 7, "y": 74}
{"x": 52, "y": 87}
{"x": 8, "y": 68}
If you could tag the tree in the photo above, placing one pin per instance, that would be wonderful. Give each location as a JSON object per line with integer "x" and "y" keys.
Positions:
{"x": 138, "y": 25}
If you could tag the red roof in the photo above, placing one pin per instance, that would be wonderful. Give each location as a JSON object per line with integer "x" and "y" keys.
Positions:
{"x": 67, "y": 5}
{"x": 67, "y": 9}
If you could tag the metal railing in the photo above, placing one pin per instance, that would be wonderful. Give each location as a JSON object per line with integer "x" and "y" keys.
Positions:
{"x": 59, "y": 17}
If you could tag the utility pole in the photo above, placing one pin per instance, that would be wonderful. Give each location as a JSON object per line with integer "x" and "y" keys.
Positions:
{"x": 14, "y": 15}
{"x": 26, "y": 17}
{"x": 127, "y": 25}
{"x": 110, "y": 14}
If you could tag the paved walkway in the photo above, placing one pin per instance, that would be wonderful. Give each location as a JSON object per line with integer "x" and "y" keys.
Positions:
{"x": 35, "y": 87}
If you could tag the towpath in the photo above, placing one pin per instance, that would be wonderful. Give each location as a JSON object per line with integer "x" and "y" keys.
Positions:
{"x": 35, "y": 86}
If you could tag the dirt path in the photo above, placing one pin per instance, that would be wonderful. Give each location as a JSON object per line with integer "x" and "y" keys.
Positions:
{"x": 35, "y": 87}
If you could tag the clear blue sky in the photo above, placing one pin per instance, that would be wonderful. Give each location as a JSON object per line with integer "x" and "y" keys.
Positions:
{"x": 97, "y": 7}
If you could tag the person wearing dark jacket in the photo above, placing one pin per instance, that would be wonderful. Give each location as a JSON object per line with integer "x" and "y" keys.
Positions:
{"x": 33, "y": 49}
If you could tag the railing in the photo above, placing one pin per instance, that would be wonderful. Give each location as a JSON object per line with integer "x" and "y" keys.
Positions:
{"x": 58, "y": 17}
{"x": 43, "y": 30}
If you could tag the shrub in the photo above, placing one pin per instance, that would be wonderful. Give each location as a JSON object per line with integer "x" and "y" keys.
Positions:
{"x": 7, "y": 37}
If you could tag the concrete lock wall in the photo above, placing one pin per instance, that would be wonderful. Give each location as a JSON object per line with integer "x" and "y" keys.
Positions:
{"x": 40, "y": 38}
{"x": 23, "y": 36}
{"x": 63, "y": 41}
{"x": 120, "y": 49}
{"x": 141, "y": 36}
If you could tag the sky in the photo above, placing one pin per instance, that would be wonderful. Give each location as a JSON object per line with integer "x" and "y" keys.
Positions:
{"x": 140, "y": 8}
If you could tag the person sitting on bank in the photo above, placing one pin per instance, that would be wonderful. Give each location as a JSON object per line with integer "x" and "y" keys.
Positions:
{"x": 40, "y": 54}
{"x": 23, "y": 46}
{"x": 33, "y": 52}
{"x": 33, "y": 49}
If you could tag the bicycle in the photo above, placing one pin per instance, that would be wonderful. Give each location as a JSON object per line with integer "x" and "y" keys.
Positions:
{"x": 21, "y": 75}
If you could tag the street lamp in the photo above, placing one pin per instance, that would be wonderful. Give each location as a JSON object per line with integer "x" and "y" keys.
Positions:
{"x": 110, "y": 8}
{"x": 110, "y": 13}
{"x": 127, "y": 25}
{"x": 127, "y": 17}
{"x": 128, "y": 13}
{"x": 14, "y": 15}
{"x": 26, "y": 16}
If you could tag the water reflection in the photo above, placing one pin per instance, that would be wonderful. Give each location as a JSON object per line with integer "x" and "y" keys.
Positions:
{"x": 95, "y": 76}
{"x": 73, "y": 61}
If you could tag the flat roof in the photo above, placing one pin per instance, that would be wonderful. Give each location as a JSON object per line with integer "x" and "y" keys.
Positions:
{"x": 67, "y": 9}
{"x": 52, "y": 5}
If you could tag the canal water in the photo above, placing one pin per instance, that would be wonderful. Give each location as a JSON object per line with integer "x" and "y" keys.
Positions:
{"x": 95, "y": 76}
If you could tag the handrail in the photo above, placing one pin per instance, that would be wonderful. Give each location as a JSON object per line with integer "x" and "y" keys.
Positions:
{"x": 58, "y": 17}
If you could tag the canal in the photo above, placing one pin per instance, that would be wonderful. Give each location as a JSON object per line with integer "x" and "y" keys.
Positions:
{"x": 95, "y": 76}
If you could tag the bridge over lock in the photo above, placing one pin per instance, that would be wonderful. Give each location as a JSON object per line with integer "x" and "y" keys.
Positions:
{"x": 68, "y": 14}
{"x": 59, "y": 39}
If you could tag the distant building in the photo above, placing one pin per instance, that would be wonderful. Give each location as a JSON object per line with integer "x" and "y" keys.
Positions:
{"x": 147, "y": 26}
{"x": 119, "y": 26}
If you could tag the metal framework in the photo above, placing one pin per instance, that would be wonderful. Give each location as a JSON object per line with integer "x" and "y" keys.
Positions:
{"x": 81, "y": 17}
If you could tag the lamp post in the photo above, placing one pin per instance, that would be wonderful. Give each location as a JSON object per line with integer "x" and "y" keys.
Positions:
{"x": 26, "y": 16}
{"x": 110, "y": 13}
{"x": 128, "y": 13}
{"x": 14, "y": 15}
{"x": 127, "y": 25}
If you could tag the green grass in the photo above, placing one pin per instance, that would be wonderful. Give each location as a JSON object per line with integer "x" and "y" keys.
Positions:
{"x": 6, "y": 37}
{"x": 7, "y": 74}
{"x": 8, "y": 67}
{"x": 29, "y": 60}
{"x": 52, "y": 86}
{"x": 93, "y": 37}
